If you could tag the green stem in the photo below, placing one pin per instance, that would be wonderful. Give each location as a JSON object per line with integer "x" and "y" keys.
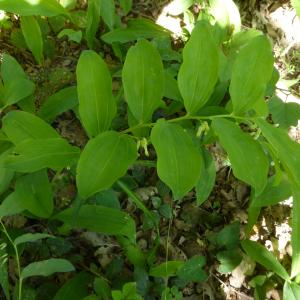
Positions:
{"x": 17, "y": 259}
{"x": 187, "y": 117}
{"x": 139, "y": 203}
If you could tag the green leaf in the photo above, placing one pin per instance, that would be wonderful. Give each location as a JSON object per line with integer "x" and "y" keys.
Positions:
{"x": 11, "y": 69}
{"x": 229, "y": 260}
{"x": 20, "y": 126}
{"x": 107, "y": 12}
{"x": 261, "y": 255}
{"x": 16, "y": 84}
{"x": 287, "y": 150}
{"x": 284, "y": 114}
{"x": 207, "y": 178}
{"x": 229, "y": 236}
{"x": 97, "y": 106}
{"x": 93, "y": 19}
{"x": 137, "y": 29}
{"x": 16, "y": 90}
{"x": 58, "y": 103}
{"x": 273, "y": 193}
{"x": 296, "y": 232}
{"x": 72, "y": 35}
{"x": 248, "y": 160}
{"x": 34, "y": 155}
{"x": 166, "y": 269}
{"x": 171, "y": 90}
{"x": 100, "y": 219}
{"x": 31, "y": 237}
{"x": 33, "y": 36}
{"x": 296, "y": 5}
{"x": 104, "y": 159}
{"x": 5, "y": 178}
{"x": 10, "y": 206}
{"x": 245, "y": 89}
{"x": 46, "y": 8}
{"x": 179, "y": 161}
{"x": 47, "y": 267}
{"x": 192, "y": 270}
{"x": 198, "y": 74}
{"x": 126, "y": 5}
{"x": 143, "y": 80}
{"x": 76, "y": 288}
{"x": 291, "y": 291}
{"x": 35, "y": 193}
{"x": 101, "y": 288}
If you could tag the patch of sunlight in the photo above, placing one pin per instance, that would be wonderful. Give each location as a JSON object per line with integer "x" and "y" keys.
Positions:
{"x": 170, "y": 23}
{"x": 285, "y": 19}
{"x": 33, "y": 2}
{"x": 168, "y": 17}
{"x": 2, "y": 15}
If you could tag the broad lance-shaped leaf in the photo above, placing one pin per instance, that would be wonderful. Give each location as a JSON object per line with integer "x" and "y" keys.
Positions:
{"x": 143, "y": 80}
{"x": 252, "y": 70}
{"x": 17, "y": 86}
{"x": 198, "y": 73}
{"x": 248, "y": 160}
{"x": 11, "y": 69}
{"x": 31, "y": 237}
{"x": 100, "y": 219}
{"x": 34, "y": 155}
{"x": 107, "y": 12}
{"x": 179, "y": 162}
{"x": 104, "y": 159}
{"x": 97, "y": 106}
{"x": 287, "y": 150}
{"x": 93, "y": 19}
{"x": 261, "y": 255}
{"x": 20, "y": 126}
{"x": 47, "y": 267}
{"x": 48, "y": 8}
{"x": 58, "y": 103}
{"x": 33, "y": 37}
{"x": 35, "y": 194}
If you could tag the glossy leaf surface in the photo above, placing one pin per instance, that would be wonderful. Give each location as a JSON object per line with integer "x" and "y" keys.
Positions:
{"x": 34, "y": 155}
{"x": 47, "y": 267}
{"x": 179, "y": 162}
{"x": 251, "y": 73}
{"x": 35, "y": 193}
{"x": 100, "y": 219}
{"x": 46, "y": 8}
{"x": 58, "y": 103}
{"x": 287, "y": 150}
{"x": 248, "y": 160}
{"x": 143, "y": 80}
{"x": 33, "y": 37}
{"x": 20, "y": 126}
{"x": 97, "y": 106}
{"x": 198, "y": 73}
{"x": 104, "y": 159}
